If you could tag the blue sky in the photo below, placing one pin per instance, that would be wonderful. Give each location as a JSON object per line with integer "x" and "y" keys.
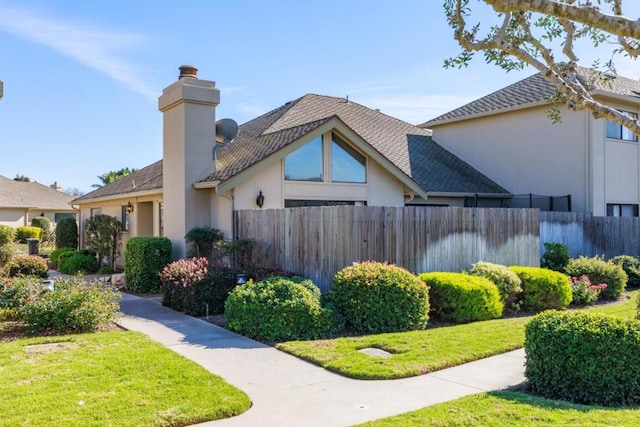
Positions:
{"x": 82, "y": 78}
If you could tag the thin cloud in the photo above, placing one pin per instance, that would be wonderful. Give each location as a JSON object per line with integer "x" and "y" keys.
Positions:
{"x": 100, "y": 49}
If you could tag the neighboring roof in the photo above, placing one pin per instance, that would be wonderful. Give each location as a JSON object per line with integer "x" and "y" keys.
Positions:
{"x": 533, "y": 90}
{"x": 146, "y": 179}
{"x": 32, "y": 195}
{"x": 406, "y": 146}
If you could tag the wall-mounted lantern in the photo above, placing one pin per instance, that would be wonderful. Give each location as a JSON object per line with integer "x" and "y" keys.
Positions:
{"x": 260, "y": 200}
{"x": 129, "y": 207}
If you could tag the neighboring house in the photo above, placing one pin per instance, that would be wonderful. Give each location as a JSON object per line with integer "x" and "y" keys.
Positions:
{"x": 21, "y": 201}
{"x": 313, "y": 151}
{"x": 507, "y": 136}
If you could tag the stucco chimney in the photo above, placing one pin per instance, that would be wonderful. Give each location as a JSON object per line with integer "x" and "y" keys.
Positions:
{"x": 189, "y": 116}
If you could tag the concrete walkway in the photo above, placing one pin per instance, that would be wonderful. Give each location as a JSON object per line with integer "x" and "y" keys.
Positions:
{"x": 287, "y": 391}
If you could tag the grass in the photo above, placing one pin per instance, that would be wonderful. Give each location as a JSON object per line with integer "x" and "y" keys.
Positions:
{"x": 421, "y": 352}
{"x": 503, "y": 408}
{"x": 109, "y": 378}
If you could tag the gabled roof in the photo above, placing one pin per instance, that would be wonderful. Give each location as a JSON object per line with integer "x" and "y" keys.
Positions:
{"x": 32, "y": 195}
{"x": 407, "y": 147}
{"x": 146, "y": 179}
{"x": 533, "y": 90}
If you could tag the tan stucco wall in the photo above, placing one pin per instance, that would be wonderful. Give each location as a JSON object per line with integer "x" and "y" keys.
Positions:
{"x": 525, "y": 152}
{"x": 12, "y": 217}
{"x": 615, "y": 166}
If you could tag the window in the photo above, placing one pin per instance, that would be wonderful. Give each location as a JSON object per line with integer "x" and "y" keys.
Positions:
{"x": 347, "y": 165}
{"x": 96, "y": 211}
{"x": 59, "y": 215}
{"x": 617, "y": 131}
{"x": 622, "y": 210}
{"x": 305, "y": 164}
{"x": 125, "y": 218}
{"x": 290, "y": 203}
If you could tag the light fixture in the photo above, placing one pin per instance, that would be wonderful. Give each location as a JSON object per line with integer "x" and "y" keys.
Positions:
{"x": 129, "y": 207}
{"x": 260, "y": 200}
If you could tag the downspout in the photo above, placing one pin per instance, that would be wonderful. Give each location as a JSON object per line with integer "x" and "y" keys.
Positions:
{"x": 233, "y": 212}
{"x": 588, "y": 166}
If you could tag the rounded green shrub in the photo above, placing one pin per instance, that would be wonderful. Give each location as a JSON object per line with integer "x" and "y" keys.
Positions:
{"x": 67, "y": 233}
{"x": 73, "y": 306}
{"x": 26, "y": 232}
{"x": 584, "y": 358}
{"x": 459, "y": 297}
{"x": 555, "y": 257}
{"x": 43, "y": 223}
{"x": 543, "y": 289}
{"x": 279, "y": 309}
{"x": 28, "y": 265}
{"x": 600, "y": 271}
{"x": 78, "y": 262}
{"x": 375, "y": 297}
{"x": 54, "y": 257}
{"x": 508, "y": 283}
{"x": 631, "y": 266}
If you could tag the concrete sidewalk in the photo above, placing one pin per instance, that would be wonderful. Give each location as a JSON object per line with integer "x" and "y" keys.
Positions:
{"x": 287, "y": 391}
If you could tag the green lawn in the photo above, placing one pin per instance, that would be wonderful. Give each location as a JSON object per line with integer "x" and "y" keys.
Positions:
{"x": 420, "y": 352}
{"x": 504, "y": 408}
{"x": 108, "y": 378}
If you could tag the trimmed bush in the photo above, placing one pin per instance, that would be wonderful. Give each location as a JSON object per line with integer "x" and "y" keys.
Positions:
{"x": 584, "y": 292}
{"x": 203, "y": 239}
{"x": 279, "y": 309}
{"x": 26, "y": 232}
{"x": 631, "y": 266}
{"x": 459, "y": 297}
{"x": 584, "y": 358}
{"x": 375, "y": 297}
{"x": 28, "y": 265}
{"x": 555, "y": 257}
{"x": 43, "y": 223}
{"x": 211, "y": 288}
{"x": 73, "y": 306}
{"x": 77, "y": 262}
{"x": 600, "y": 271}
{"x": 508, "y": 283}
{"x": 67, "y": 233}
{"x": 543, "y": 289}
{"x": 144, "y": 258}
{"x": 54, "y": 257}
{"x": 7, "y": 235}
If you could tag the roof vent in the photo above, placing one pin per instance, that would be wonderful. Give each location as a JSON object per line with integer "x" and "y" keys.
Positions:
{"x": 188, "y": 71}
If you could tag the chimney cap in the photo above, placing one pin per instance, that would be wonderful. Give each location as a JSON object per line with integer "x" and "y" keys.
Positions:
{"x": 188, "y": 71}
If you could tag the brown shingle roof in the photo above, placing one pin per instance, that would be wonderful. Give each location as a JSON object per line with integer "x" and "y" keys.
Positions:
{"x": 532, "y": 90}
{"x": 146, "y": 179}
{"x": 20, "y": 194}
{"x": 408, "y": 147}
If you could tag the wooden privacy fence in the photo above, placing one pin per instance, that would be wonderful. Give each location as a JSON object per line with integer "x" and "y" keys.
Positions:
{"x": 588, "y": 235}
{"x": 318, "y": 242}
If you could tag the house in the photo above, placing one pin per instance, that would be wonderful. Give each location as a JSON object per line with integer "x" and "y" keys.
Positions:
{"x": 313, "y": 151}
{"x": 508, "y": 136}
{"x": 21, "y": 201}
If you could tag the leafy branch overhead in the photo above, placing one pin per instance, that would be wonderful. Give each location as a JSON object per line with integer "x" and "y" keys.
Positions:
{"x": 544, "y": 34}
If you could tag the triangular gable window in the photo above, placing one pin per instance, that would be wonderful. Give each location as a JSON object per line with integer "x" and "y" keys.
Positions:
{"x": 347, "y": 165}
{"x": 305, "y": 164}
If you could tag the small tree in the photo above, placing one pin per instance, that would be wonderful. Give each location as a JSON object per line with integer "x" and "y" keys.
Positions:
{"x": 204, "y": 239}
{"x": 102, "y": 236}
{"x": 67, "y": 233}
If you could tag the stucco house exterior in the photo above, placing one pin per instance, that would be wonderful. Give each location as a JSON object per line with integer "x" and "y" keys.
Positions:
{"x": 507, "y": 136}
{"x": 21, "y": 201}
{"x": 313, "y": 151}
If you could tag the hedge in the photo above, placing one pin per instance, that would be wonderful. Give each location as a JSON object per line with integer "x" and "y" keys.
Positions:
{"x": 27, "y": 232}
{"x": 584, "y": 358}
{"x": 144, "y": 258}
{"x": 67, "y": 233}
{"x": 600, "y": 271}
{"x": 462, "y": 297}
